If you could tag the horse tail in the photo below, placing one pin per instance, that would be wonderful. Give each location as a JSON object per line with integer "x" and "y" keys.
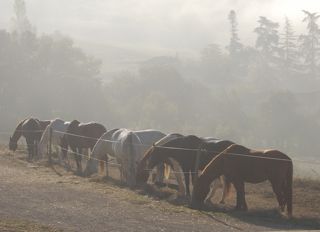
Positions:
{"x": 288, "y": 189}
{"x": 166, "y": 171}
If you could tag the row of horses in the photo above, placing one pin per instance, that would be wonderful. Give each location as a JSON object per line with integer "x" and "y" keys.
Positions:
{"x": 208, "y": 160}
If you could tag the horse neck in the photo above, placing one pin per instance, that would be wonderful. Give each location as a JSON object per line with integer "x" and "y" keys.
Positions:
{"x": 99, "y": 149}
{"x": 17, "y": 132}
{"x": 157, "y": 158}
{"x": 44, "y": 124}
{"x": 213, "y": 170}
{"x": 45, "y": 136}
{"x": 64, "y": 144}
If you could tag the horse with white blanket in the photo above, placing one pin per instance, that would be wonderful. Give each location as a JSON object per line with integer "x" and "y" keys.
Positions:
{"x": 127, "y": 146}
{"x": 56, "y": 130}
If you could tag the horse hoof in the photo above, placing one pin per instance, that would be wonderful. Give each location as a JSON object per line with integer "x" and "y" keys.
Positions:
{"x": 196, "y": 205}
{"x": 79, "y": 173}
{"x": 207, "y": 202}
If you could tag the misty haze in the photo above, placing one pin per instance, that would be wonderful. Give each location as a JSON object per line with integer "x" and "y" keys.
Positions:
{"x": 244, "y": 71}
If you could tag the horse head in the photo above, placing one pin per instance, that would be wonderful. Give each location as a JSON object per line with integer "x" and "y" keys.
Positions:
{"x": 145, "y": 165}
{"x": 74, "y": 124}
{"x": 12, "y": 144}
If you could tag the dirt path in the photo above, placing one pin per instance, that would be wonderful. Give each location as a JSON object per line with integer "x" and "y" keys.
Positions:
{"x": 36, "y": 193}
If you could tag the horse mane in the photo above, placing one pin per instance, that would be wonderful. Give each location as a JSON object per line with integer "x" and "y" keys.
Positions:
{"x": 74, "y": 122}
{"x": 17, "y": 131}
{"x": 143, "y": 162}
{"x": 211, "y": 165}
{"x": 44, "y": 123}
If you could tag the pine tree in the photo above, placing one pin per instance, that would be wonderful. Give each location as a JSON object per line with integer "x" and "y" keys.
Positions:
{"x": 21, "y": 21}
{"x": 234, "y": 46}
{"x": 267, "y": 41}
{"x": 289, "y": 53}
{"x": 310, "y": 43}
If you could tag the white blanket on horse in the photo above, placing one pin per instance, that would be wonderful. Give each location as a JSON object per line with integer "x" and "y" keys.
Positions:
{"x": 127, "y": 146}
{"x": 58, "y": 127}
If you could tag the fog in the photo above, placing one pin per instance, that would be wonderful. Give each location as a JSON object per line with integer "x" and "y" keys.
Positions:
{"x": 169, "y": 65}
{"x": 172, "y": 26}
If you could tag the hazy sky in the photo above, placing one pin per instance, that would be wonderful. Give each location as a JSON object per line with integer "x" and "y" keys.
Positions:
{"x": 155, "y": 24}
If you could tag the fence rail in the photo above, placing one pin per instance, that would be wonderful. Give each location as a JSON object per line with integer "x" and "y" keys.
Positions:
{"x": 199, "y": 150}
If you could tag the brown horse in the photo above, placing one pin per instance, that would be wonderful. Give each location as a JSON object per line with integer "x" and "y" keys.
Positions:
{"x": 32, "y": 130}
{"x": 185, "y": 152}
{"x": 81, "y": 136}
{"x": 240, "y": 164}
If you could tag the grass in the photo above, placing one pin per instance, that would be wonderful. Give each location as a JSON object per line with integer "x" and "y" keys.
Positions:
{"x": 10, "y": 225}
{"x": 260, "y": 198}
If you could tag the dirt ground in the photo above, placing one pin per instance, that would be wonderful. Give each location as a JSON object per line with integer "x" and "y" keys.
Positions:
{"x": 34, "y": 197}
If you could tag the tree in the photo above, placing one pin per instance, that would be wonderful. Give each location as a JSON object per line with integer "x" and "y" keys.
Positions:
{"x": 234, "y": 46}
{"x": 20, "y": 20}
{"x": 213, "y": 63}
{"x": 289, "y": 53}
{"x": 267, "y": 40}
{"x": 310, "y": 43}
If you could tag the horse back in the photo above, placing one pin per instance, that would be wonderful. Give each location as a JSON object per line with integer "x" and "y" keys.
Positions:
{"x": 167, "y": 138}
{"x": 94, "y": 130}
{"x": 31, "y": 129}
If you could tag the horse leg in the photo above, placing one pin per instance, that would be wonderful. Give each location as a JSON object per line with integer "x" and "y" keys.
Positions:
{"x": 79, "y": 160}
{"x": 65, "y": 158}
{"x": 106, "y": 164}
{"x": 241, "y": 201}
{"x": 76, "y": 157}
{"x": 159, "y": 174}
{"x": 187, "y": 181}
{"x": 226, "y": 185}
{"x": 178, "y": 175}
{"x": 30, "y": 144}
{"x": 213, "y": 188}
{"x": 277, "y": 189}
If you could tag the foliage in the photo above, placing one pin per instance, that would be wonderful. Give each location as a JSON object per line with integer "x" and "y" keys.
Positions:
{"x": 243, "y": 95}
{"x": 310, "y": 44}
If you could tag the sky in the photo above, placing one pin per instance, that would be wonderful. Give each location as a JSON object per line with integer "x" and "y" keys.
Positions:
{"x": 179, "y": 25}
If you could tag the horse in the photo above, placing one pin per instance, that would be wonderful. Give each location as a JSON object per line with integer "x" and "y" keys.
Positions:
{"x": 31, "y": 129}
{"x": 58, "y": 127}
{"x": 126, "y": 146}
{"x": 173, "y": 164}
{"x": 185, "y": 151}
{"x": 239, "y": 165}
{"x": 80, "y": 136}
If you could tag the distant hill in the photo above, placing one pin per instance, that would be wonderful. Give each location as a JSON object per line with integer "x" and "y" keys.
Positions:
{"x": 118, "y": 58}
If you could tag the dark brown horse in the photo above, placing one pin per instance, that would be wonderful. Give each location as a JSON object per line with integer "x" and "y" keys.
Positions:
{"x": 240, "y": 164}
{"x": 185, "y": 152}
{"x": 81, "y": 136}
{"x": 32, "y": 130}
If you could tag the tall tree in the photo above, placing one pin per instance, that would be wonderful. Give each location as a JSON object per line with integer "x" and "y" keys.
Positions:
{"x": 234, "y": 46}
{"x": 20, "y": 19}
{"x": 268, "y": 40}
{"x": 310, "y": 43}
{"x": 288, "y": 46}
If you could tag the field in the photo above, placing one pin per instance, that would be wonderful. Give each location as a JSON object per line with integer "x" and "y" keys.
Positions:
{"x": 36, "y": 197}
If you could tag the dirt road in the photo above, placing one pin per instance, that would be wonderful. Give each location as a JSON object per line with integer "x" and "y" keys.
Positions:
{"x": 36, "y": 193}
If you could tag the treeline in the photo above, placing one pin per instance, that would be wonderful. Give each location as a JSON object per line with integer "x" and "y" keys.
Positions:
{"x": 265, "y": 95}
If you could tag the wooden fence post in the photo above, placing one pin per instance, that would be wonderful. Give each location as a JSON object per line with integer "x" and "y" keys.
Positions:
{"x": 131, "y": 163}
{"x": 36, "y": 149}
{"x": 196, "y": 170}
{"x": 50, "y": 146}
